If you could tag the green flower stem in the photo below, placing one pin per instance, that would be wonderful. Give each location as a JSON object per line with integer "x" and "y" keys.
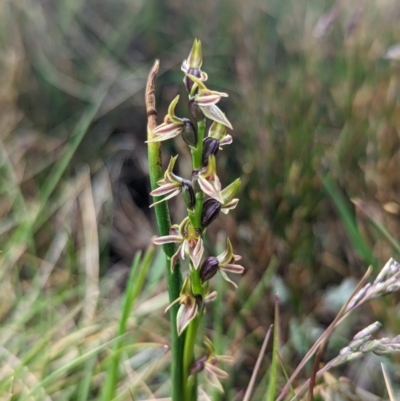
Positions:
{"x": 197, "y": 155}
{"x": 190, "y": 391}
{"x": 195, "y": 217}
{"x": 174, "y": 279}
{"x": 197, "y": 152}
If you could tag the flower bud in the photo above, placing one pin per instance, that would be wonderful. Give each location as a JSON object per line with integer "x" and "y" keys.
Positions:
{"x": 217, "y": 131}
{"x": 195, "y": 110}
{"x": 189, "y": 196}
{"x": 189, "y": 133}
{"x": 195, "y": 59}
{"x": 198, "y": 365}
{"x": 209, "y": 268}
{"x": 188, "y": 82}
{"x": 210, "y": 211}
{"x": 210, "y": 147}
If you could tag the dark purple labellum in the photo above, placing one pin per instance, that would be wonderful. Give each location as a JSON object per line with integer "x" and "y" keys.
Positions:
{"x": 210, "y": 211}
{"x": 195, "y": 110}
{"x": 208, "y": 268}
{"x": 198, "y": 366}
{"x": 189, "y": 133}
{"x": 188, "y": 82}
{"x": 210, "y": 147}
{"x": 188, "y": 194}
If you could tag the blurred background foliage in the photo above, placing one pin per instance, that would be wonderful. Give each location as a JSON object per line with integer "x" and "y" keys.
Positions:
{"x": 314, "y": 101}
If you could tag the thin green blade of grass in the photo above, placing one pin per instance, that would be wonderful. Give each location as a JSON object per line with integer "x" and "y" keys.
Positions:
{"x": 273, "y": 373}
{"x": 84, "y": 384}
{"x": 68, "y": 366}
{"x": 348, "y": 220}
{"x": 291, "y": 389}
{"x": 135, "y": 284}
{"x": 38, "y": 348}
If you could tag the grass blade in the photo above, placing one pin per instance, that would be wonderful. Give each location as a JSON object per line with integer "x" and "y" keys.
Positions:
{"x": 273, "y": 374}
{"x": 135, "y": 285}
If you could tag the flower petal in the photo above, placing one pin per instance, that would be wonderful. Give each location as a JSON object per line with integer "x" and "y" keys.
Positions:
{"x": 211, "y": 297}
{"x": 226, "y": 140}
{"x": 174, "y": 258}
{"x": 225, "y": 358}
{"x": 165, "y": 128}
{"x": 216, "y": 371}
{"x": 207, "y": 100}
{"x": 164, "y": 189}
{"x": 213, "y": 380}
{"x": 185, "y": 315}
{"x": 196, "y": 253}
{"x": 214, "y": 113}
{"x": 224, "y": 275}
{"x": 226, "y": 256}
{"x": 232, "y": 268}
{"x": 167, "y": 239}
{"x": 168, "y": 135}
{"x": 171, "y": 195}
{"x": 211, "y": 188}
{"x": 172, "y": 304}
{"x": 230, "y": 206}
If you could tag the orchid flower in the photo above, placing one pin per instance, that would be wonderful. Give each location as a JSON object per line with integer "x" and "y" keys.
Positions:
{"x": 174, "y": 126}
{"x": 189, "y": 240}
{"x": 171, "y": 185}
{"x": 225, "y": 262}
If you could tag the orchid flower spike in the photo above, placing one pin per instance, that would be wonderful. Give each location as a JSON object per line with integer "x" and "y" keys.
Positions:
{"x": 192, "y": 66}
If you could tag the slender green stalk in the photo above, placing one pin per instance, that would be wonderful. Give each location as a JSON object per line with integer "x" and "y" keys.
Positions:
{"x": 197, "y": 153}
{"x": 191, "y": 334}
{"x": 273, "y": 373}
{"x": 135, "y": 284}
{"x": 174, "y": 279}
{"x": 197, "y": 164}
{"x": 189, "y": 356}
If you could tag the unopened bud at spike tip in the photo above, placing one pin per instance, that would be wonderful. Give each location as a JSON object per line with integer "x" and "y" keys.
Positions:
{"x": 195, "y": 59}
{"x": 210, "y": 211}
{"x": 209, "y": 268}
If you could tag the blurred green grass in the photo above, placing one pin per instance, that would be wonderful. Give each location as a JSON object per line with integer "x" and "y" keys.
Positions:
{"x": 316, "y": 143}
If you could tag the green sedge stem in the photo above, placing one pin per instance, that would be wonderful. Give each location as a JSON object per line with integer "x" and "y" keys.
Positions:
{"x": 174, "y": 279}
